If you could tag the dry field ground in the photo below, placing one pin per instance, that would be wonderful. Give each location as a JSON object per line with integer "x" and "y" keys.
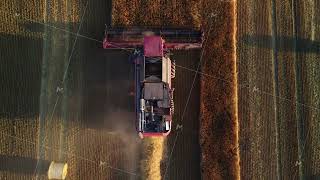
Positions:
{"x": 278, "y": 72}
{"x": 34, "y": 125}
{"x": 73, "y": 128}
{"x": 278, "y": 48}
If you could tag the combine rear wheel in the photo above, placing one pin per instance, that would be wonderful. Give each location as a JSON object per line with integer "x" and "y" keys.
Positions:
{"x": 173, "y": 69}
{"x": 172, "y": 102}
{"x": 172, "y": 106}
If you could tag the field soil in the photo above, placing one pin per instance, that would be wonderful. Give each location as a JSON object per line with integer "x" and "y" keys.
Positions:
{"x": 85, "y": 119}
{"x": 277, "y": 51}
{"x": 65, "y": 99}
{"x": 20, "y": 77}
{"x": 278, "y": 91}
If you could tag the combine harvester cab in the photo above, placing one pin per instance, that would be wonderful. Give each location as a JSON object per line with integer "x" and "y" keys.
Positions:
{"x": 154, "y": 71}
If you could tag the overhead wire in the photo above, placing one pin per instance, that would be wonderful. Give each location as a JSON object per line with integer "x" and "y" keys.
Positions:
{"x": 64, "y": 77}
{"x": 17, "y": 15}
{"x": 70, "y": 154}
{"x": 187, "y": 102}
{"x": 246, "y": 85}
{"x": 182, "y": 67}
{"x": 63, "y": 80}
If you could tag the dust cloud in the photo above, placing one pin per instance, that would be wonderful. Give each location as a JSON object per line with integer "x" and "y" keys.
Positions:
{"x": 122, "y": 124}
{"x": 143, "y": 156}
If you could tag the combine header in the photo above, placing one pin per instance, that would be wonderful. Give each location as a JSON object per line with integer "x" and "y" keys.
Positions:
{"x": 154, "y": 71}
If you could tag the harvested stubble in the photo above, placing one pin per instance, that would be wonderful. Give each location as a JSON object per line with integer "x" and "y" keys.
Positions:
{"x": 152, "y": 156}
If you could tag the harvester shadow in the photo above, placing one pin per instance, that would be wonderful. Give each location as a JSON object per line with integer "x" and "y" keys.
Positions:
{"x": 90, "y": 27}
{"x": 313, "y": 177}
{"x": 20, "y": 72}
{"x": 108, "y": 78}
{"x": 283, "y": 43}
{"x": 39, "y": 27}
{"x": 23, "y": 165}
{"x": 107, "y": 75}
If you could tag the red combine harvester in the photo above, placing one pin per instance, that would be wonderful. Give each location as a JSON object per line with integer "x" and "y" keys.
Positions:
{"x": 154, "y": 71}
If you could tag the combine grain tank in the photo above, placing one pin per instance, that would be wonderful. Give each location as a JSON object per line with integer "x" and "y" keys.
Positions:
{"x": 154, "y": 71}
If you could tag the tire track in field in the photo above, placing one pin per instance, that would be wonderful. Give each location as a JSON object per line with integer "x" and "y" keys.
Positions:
{"x": 275, "y": 84}
{"x": 256, "y": 110}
